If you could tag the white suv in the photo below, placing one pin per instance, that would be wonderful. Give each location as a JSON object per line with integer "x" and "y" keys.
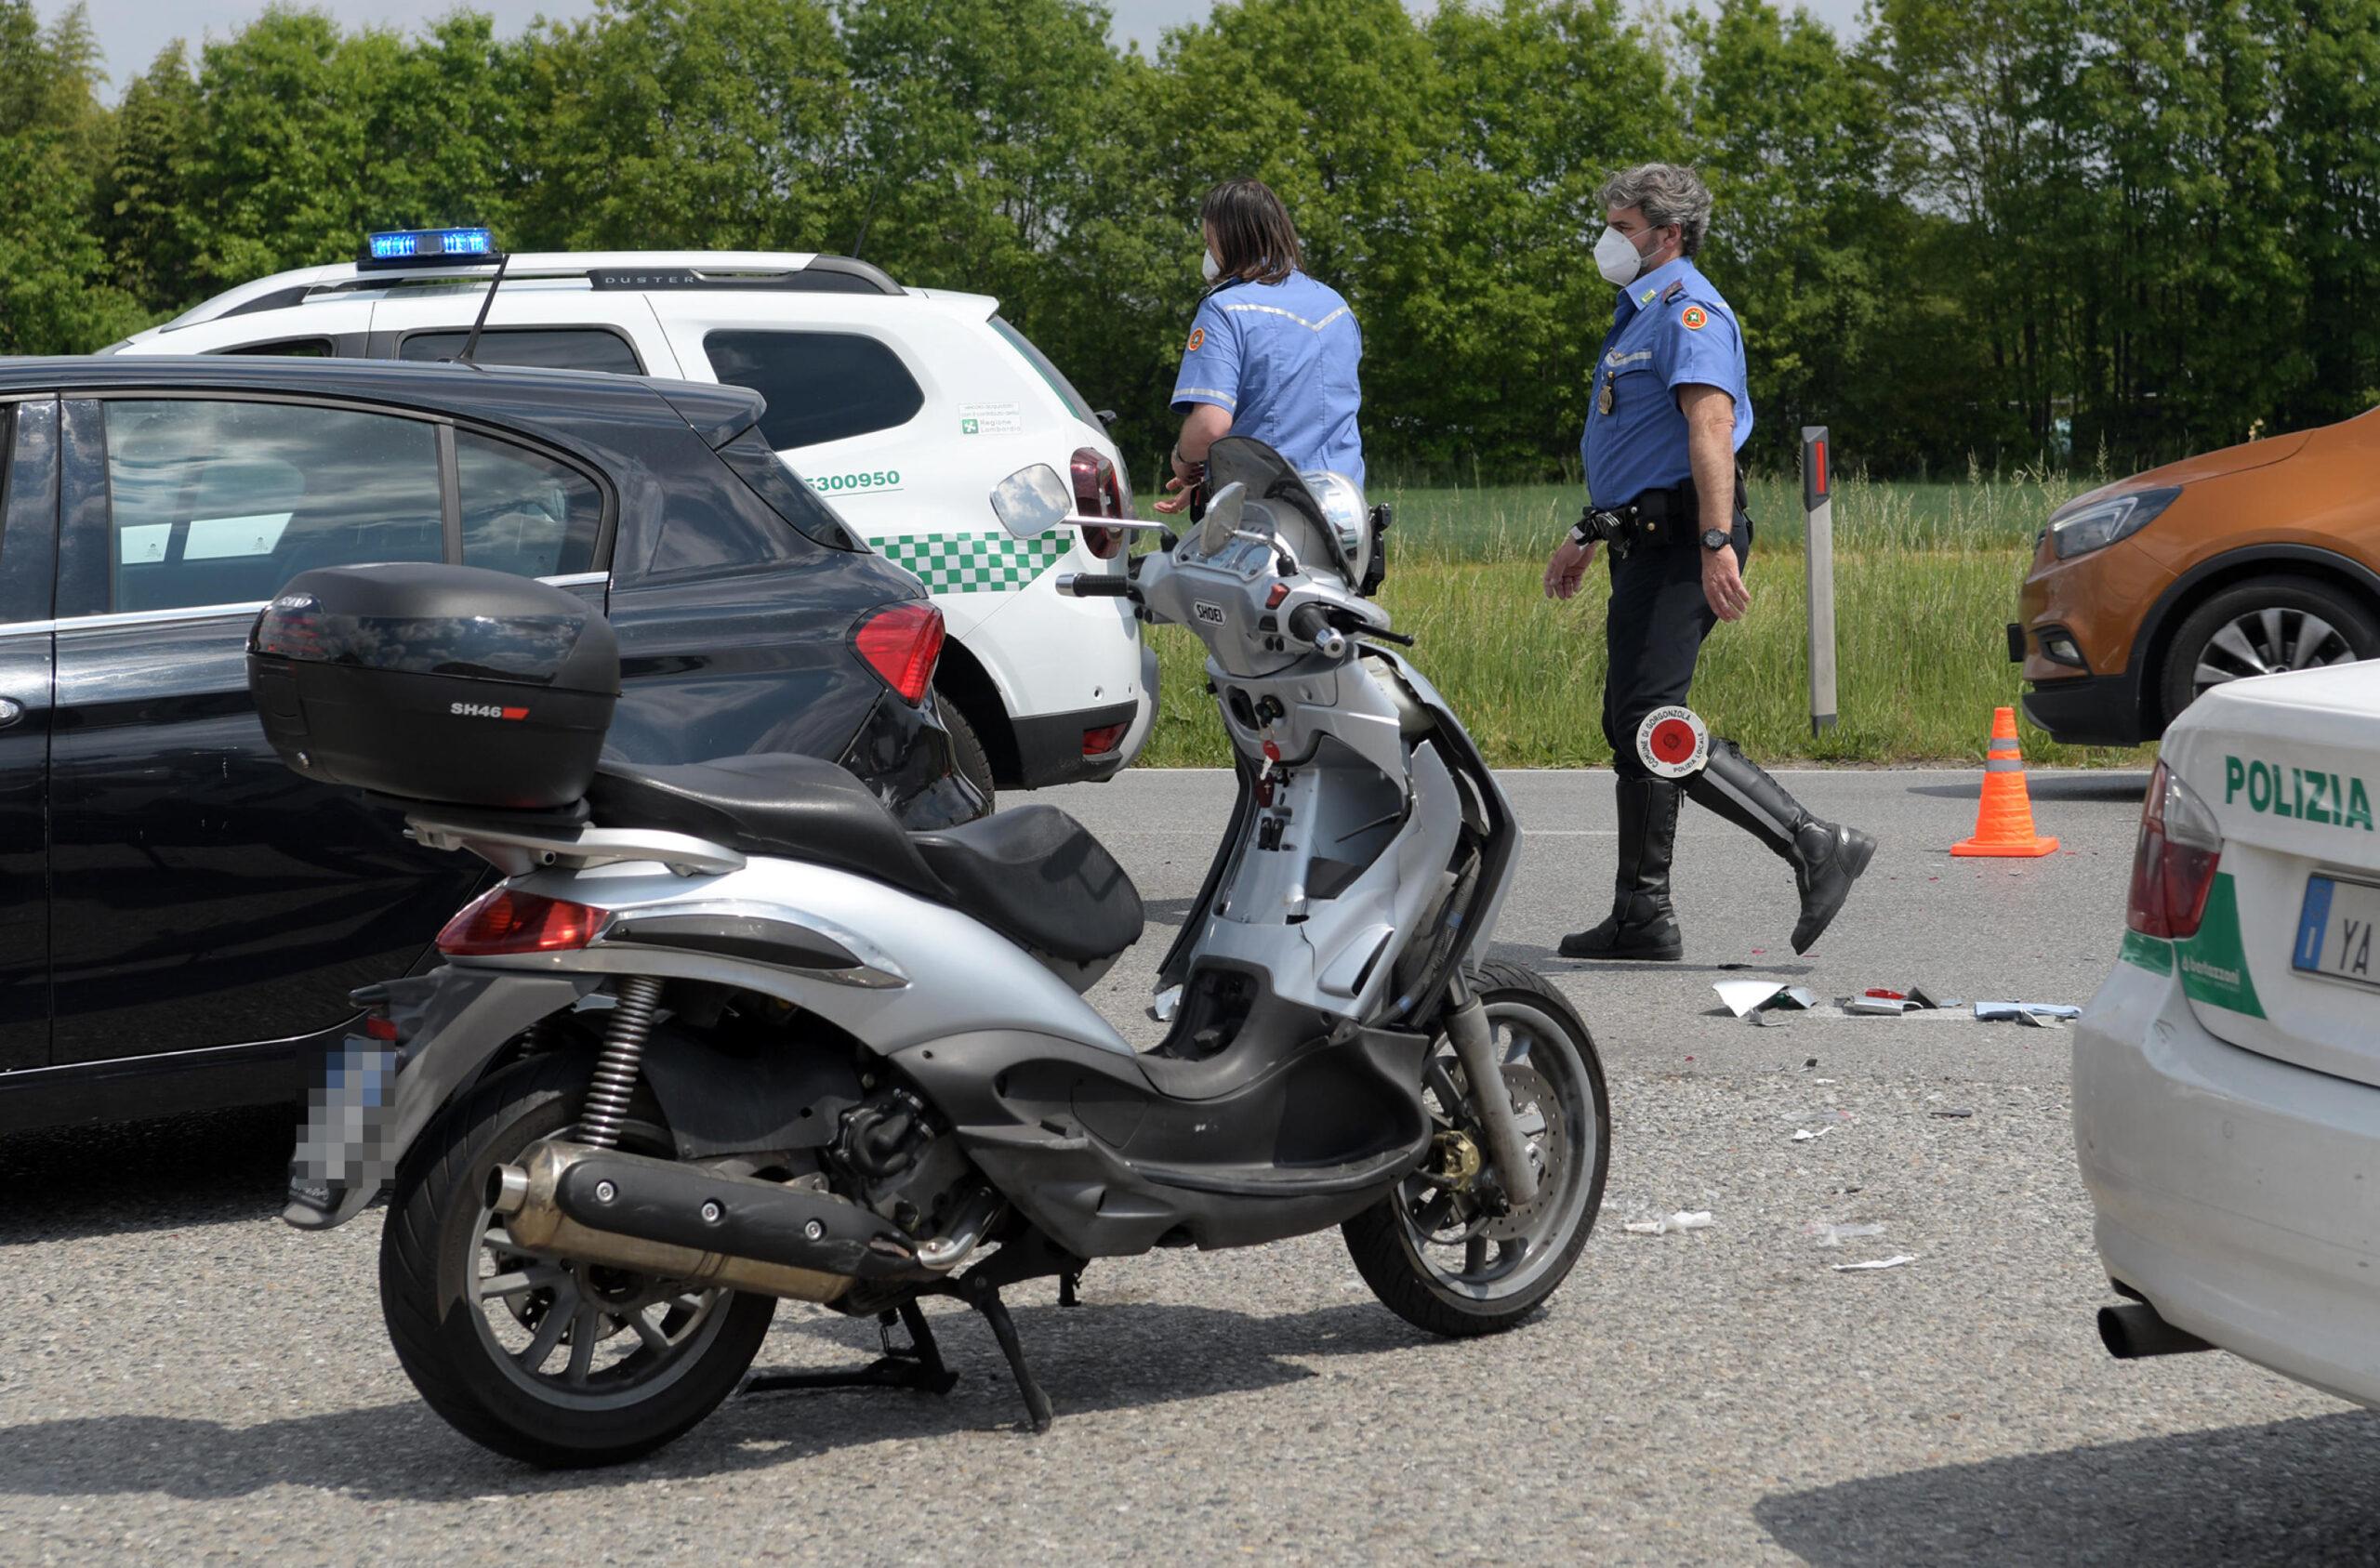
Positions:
{"x": 901, "y": 407}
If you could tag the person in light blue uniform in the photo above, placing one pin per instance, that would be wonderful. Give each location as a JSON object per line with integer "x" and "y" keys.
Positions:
{"x": 1668, "y": 411}
{"x": 1273, "y": 353}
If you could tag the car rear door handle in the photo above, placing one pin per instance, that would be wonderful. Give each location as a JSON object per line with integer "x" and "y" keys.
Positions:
{"x": 11, "y": 710}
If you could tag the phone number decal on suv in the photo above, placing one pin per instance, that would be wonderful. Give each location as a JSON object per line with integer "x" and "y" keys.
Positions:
{"x": 839, "y": 484}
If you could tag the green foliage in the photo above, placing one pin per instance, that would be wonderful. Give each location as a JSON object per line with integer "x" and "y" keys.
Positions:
{"x": 2022, "y": 231}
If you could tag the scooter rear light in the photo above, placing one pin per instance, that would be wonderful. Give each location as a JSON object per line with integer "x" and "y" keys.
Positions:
{"x": 2174, "y": 863}
{"x": 379, "y": 1026}
{"x": 901, "y": 642}
{"x": 502, "y": 920}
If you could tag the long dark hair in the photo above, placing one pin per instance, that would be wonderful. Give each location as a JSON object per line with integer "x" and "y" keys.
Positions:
{"x": 1255, "y": 242}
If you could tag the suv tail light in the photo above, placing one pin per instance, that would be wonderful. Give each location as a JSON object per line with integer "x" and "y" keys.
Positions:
{"x": 901, "y": 642}
{"x": 501, "y": 920}
{"x": 2173, "y": 866}
{"x": 1099, "y": 490}
{"x": 1098, "y": 741}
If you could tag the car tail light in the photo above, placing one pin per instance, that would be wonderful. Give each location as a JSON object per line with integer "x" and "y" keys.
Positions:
{"x": 501, "y": 920}
{"x": 901, "y": 642}
{"x": 1105, "y": 739}
{"x": 2173, "y": 868}
{"x": 1099, "y": 490}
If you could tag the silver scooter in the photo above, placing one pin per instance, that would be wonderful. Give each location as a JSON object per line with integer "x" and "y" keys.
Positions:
{"x": 736, "y": 1036}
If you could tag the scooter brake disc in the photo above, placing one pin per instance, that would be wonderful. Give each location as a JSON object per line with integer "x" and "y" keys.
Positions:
{"x": 1548, "y": 1148}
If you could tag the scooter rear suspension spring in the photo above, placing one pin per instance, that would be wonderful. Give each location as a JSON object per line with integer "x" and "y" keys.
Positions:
{"x": 606, "y": 1109}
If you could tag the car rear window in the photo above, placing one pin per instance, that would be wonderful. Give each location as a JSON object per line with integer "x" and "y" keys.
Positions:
{"x": 1075, "y": 404}
{"x": 538, "y": 348}
{"x": 524, "y": 512}
{"x": 819, "y": 385}
{"x": 285, "y": 347}
{"x": 765, "y": 473}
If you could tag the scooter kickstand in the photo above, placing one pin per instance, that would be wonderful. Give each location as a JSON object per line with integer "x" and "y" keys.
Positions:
{"x": 986, "y": 1300}
{"x": 917, "y": 1365}
{"x": 1066, "y": 1297}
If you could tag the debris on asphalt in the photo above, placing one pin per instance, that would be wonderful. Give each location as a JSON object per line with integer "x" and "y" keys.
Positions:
{"x": 1830, "y": 1235}
{"x": 1799, "y": 997}
{"x": 1884, "y": 994}
{"x": 1990, "y": 1012}
{"x": 2038, "y": 1021}
{"x": 1804, "y": 1134}
{"x": 1959, "y": 1110}
{"x": 1744, "y": 996}
{"x": 1895, "y": 1261}
{"x": 1875, "y": 1007}
{"x": 1765, "y": 1017}
{"x": 1926, "y": 998}
{"x": 1676, "y": 1224}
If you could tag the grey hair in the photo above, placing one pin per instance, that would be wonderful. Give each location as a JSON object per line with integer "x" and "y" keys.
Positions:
{"x": 1668, "y": 193}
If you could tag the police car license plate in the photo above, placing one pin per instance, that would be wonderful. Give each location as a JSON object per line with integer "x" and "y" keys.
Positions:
{"x": 2337, "y": 931}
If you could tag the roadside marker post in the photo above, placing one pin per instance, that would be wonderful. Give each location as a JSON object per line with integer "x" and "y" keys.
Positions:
{"x": 1818, "y": 506}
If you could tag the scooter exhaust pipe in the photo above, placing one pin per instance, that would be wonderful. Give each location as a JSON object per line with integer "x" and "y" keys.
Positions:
{"x": 656, "y": 1217}
{"x": 2135, "y": 1330}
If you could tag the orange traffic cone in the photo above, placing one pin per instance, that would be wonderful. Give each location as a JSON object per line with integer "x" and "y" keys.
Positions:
{"x": 2004, "y": 822}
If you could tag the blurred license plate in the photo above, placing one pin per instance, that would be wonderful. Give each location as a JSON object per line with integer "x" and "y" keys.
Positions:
{"x": 2335, "y": 932}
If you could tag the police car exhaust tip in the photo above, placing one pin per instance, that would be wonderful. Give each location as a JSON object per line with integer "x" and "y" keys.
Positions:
{"x": 2134, "y": 1331}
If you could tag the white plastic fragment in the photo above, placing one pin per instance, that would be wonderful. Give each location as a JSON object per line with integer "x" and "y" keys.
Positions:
{"x": 1742, "y": 995}
{"x": 1676, "y": 1224}
{"x": 1830, "y": 1234}
{"x": 1995, "y": 1012}
{"x": 1804, "y": 1134}
{"x": 1893, "y": 1262}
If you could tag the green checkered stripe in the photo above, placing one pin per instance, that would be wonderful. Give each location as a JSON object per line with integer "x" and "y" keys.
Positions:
{"x": 974, "y": 562}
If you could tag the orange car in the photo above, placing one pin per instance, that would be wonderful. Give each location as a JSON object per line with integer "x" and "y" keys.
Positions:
{"x": 2244, "y": 562}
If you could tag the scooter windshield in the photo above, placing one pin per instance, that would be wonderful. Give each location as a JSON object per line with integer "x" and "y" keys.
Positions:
{"x": 1298, "y": 520}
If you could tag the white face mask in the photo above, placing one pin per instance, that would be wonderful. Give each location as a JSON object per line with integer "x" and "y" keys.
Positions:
{"x": 1616, "y": 260}
{"x": 1208, "y": 266}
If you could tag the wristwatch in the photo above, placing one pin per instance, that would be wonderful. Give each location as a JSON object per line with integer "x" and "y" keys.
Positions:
{"x": 1716, "y": 539}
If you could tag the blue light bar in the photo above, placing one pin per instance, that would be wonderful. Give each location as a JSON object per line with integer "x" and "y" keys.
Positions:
{"x": 400, "y": 248}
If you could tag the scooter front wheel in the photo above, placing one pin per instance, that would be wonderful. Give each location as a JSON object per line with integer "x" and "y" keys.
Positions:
{"x": 1444, "y": 1251}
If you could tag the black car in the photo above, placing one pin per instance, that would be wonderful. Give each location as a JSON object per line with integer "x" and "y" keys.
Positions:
{"x": 183, "y": 916}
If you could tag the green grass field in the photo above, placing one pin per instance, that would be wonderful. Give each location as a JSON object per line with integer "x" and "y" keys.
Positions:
{"x": 1925, "y": 580}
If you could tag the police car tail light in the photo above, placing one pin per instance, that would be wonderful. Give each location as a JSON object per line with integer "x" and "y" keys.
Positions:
{"x": 901, "y": 642}
{"x": 2172, "y": 866}
{"x": 1099, "y": 492}
{"x": 502, "y": 920}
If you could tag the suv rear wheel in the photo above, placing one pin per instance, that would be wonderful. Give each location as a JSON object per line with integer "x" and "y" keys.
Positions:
{"x": 2264, "y": 626}
{"x": 967, "y": 753}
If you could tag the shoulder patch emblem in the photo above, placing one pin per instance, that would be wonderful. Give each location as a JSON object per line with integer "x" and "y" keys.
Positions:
{"x": 1198, "y": 340}
{"x": 1692, "y": 318}
{"x": 1676, "y": 290}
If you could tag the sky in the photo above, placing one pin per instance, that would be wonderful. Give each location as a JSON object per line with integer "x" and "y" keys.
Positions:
{"x": 131, "y": 31}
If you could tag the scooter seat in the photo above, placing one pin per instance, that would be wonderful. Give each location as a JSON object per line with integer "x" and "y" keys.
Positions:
{"x": 769, "y": 804}
{"x": 1037, "y": 876}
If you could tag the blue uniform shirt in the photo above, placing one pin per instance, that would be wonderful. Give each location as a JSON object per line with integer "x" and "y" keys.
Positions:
{"x": 1280, "y": 359}
{"x": 1671, "y": 330}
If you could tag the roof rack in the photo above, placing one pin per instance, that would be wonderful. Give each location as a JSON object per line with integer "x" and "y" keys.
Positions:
{"x": 778, "y": 271}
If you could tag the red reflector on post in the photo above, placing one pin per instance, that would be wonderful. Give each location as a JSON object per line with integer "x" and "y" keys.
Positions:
{"x": 901, "y": 642}
{"x": 1105, "y": 739}
{"x": 1818, "y": 453}
{"x": 501, "y": 920}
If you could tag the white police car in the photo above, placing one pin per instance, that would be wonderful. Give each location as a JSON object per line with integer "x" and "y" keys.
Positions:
{"x": 901, "y": 407}
{"x": 2227, "y": 1075}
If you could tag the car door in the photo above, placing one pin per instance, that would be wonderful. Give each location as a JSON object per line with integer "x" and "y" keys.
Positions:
{"x": 203, "y": 894}
{"x": 28, "y": 538}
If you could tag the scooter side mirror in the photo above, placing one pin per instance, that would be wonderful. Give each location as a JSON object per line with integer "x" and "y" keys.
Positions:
{"x": 1032, "y": 501}
{"x": 1223, "y": 518}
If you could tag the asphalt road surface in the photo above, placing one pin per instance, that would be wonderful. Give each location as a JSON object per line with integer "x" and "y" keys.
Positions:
{"x": 182, "y": 1377}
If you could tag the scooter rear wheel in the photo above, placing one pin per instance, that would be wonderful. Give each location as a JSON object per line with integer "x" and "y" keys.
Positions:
{"x": 556, "y": 1363}
{"x": 1437, "y": 1251}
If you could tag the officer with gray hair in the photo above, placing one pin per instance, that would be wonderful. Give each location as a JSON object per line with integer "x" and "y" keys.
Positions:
{"x": 1670, "y": 410}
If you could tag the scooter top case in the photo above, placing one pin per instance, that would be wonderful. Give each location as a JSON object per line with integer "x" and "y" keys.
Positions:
{"x": 442, "y": 683}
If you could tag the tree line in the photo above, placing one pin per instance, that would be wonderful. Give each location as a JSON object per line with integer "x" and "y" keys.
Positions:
{"x": 1996, "y": 231}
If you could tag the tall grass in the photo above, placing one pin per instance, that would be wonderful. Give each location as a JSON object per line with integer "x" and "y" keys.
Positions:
{"x": 1925, "y": 579}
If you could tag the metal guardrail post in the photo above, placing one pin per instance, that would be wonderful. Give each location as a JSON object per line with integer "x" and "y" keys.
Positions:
{"x": 1818, "y": 505}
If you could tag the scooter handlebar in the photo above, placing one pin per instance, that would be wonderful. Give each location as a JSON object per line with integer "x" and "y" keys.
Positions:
{"x": 1310, "y": 623}
{"x": 1083, "y": 585}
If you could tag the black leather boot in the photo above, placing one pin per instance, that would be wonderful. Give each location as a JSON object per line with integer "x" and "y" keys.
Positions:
{"x": 1827, "y": 857}
{"x": 1641, "y": 924}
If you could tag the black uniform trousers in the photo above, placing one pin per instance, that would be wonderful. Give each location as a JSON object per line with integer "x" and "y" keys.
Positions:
{"x": 1653, "y": 631}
